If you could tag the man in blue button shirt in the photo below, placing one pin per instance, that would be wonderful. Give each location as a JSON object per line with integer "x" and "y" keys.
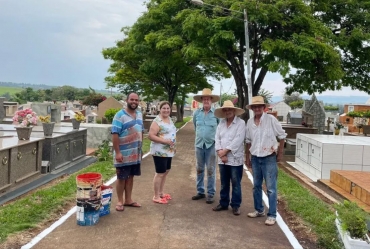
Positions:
{"x": 205, "y": 124}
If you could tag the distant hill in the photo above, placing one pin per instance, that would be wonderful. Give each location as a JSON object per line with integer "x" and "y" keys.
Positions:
{"x": 334, "y": 100}
{"x": 43, "y": 86}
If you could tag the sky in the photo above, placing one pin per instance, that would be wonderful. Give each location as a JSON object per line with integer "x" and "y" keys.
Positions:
{"x": 59, "y": 42}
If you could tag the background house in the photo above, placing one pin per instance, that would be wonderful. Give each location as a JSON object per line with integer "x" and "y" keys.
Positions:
{"x": 109, "y": 103}
{"x": 282, "y": 110}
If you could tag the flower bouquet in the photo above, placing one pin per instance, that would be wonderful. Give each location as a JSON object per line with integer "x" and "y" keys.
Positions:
{"x": 79, "y": 117}
{"x": 25, "y": 118}
{"x": 45, "y": 119}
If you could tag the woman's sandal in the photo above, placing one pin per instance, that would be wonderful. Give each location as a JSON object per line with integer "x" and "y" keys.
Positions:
{"x": 160, "y": 201}
{"x": 166, "y": 196}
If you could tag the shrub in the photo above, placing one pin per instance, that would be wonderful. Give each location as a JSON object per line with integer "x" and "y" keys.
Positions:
{"x": 353, "y": 219}
{"x": 104, "y": 152}
{"x": 109, "y": 114}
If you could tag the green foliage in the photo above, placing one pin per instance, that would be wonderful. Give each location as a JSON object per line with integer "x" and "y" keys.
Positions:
{"x": 353, "y": 219}
{"x": 104, "y": 151}
{"x": 151, "y": 57}
{"x": 94, "y": 99}
{"x": 267, "y": 95}
{"x": 296, "y": 104}
{"x": 288, "y": 98}
{"x": 226, "y": 96}
{"x": 331, "y": 108}
{"x": 360, "y": 114}
{"x": 109, "y": 114}
{"x": 314, "y": 212}
{"x": 98, "y": 121}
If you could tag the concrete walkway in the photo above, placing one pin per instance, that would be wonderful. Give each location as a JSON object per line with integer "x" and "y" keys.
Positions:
{"x": 183, "y": 223}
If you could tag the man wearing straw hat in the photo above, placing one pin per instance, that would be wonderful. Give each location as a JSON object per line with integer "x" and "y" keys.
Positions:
{"x": 229, "y": 138}
{"x": 263, "y": 151}
{"x": 205, "y": 124}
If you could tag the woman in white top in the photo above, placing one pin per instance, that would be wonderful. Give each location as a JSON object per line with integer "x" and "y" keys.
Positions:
{"x": 162, "y": 133}
{"x": 229, "y": 145}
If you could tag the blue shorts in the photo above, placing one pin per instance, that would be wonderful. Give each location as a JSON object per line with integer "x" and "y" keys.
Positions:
{"x": 124, "y": 172}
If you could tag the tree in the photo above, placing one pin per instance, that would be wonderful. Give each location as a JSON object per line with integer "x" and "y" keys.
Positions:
{"x": 296, "y": 104}
{"x": 94, "y": 99}
{"x": 226, "y": 96}
{"x": 151, "y": 55}
{"x": 288, "y": 98}
{"x": 310, "y": 43}
{"x": 267, "y": 95}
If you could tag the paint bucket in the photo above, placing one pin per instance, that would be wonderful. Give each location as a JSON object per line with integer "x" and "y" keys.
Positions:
{"x": 89, "y": 186}
{"x": 106, "y": 199}
{"x": 87, "y": 213}
{"x": 88, "y": 198}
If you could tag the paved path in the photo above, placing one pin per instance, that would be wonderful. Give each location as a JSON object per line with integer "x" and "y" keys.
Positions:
{"x": 183, "y": 223}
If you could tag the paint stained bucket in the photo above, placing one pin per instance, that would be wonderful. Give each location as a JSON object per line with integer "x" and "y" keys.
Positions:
{"x": 88, "y": 198}
{"x": 89, "y": 186}
{"x": 106, "y": 199}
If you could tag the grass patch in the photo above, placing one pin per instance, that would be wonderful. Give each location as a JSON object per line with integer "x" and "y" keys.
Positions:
{"x": 314, "y": 212}
{"x": 31, "y": 210}
{"x": 146, "y": 145}
{"x": 10, "y": 90}
{"x": 185, "y": 120}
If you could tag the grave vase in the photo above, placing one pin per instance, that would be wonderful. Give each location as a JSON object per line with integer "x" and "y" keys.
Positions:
{"x": 23, "y": 133}
{"x": 75, "y": 124}
{"x": 48, "y": 129}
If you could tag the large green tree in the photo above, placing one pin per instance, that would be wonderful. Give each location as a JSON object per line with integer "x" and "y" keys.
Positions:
{"x": 315, "y": 45}
{"x": 151, "y": 55}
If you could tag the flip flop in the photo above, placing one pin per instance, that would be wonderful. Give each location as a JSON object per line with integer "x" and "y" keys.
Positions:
{"x": 161, "y": 201}
{"x": 120, "y": 208}
{"x": 166, "y": 196}
{"x": 134, "y": 204}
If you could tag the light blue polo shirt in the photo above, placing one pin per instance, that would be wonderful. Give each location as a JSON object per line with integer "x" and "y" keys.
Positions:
{"x": 205, "y": 127}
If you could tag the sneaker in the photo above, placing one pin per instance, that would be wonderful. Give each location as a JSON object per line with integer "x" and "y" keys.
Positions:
{"x": 219, "y": 208}
{"x": 198, "y": 196}
{"x": 236, "y": 211}
{"x": 270, "y": 221}
{"x": 256, "y": 214}
{"x": 210, "y": 199}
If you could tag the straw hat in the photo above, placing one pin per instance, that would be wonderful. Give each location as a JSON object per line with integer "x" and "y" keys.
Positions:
{"x": 207, "y": 93}
{"x": 257, "y": 100}
{"x": 229, "y": 105}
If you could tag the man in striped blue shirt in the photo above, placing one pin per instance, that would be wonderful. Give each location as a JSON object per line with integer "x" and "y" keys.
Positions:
{"x": 127, "y": 137}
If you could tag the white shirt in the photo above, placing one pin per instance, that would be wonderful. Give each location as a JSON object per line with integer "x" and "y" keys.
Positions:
{"x": 263, "y": 137}
{"x": 231, "y": 138}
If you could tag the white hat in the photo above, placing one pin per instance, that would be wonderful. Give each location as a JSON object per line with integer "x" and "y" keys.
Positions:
{"x": 207, "y": 93}
{"x": 228, "y": 105}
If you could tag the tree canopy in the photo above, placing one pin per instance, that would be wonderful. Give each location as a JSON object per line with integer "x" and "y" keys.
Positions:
{"x": 314, "y": 45}
{"x": 151, "y": 55}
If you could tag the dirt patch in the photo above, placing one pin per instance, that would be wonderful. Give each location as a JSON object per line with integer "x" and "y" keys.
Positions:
{"x": 302, "y": 232}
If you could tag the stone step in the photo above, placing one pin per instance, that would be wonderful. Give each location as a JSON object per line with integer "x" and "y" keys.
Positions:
{"x": 352, "y": 185}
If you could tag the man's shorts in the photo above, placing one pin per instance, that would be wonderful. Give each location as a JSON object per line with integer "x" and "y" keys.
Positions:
{"x": 162, "y": 164}
{"x": 124, "y": 172}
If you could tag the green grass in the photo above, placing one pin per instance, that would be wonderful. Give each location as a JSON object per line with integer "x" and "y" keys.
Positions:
{"x": 180, "y": 124}
{"x": 317, "y": 214}
{"x": 146, "y": 145}
{"x": 10, "y": 90}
